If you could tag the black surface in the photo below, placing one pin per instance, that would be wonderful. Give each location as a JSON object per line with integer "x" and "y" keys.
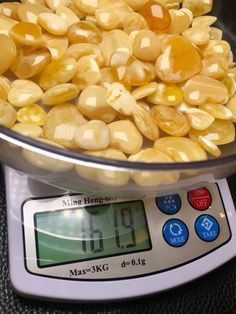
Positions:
{"x": 213, "y": 293}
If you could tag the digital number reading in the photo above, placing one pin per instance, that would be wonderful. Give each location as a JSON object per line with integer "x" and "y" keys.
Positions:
{"x": 90, "y": 232}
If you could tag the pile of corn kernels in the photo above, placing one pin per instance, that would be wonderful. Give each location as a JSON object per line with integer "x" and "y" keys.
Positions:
{"x": 148, "y": 81}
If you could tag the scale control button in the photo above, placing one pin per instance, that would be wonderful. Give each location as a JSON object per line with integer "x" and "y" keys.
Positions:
{"x": 207, "y": 228}
{"x": 169, "y": 204}
{"x": 175, "y": 232}
{"x": 200, "y": 199}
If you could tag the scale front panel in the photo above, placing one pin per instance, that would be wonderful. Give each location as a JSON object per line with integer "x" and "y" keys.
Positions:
{"x": 77, "y": 237}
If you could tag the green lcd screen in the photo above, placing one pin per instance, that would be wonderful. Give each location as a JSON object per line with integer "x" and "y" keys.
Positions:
{"x": 85, "y": 233}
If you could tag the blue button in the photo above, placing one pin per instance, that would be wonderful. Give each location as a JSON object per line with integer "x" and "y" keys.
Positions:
{"x": 175, "y": 232}
{"x": 169, "y": 204}
{"x": 207, "y": 228}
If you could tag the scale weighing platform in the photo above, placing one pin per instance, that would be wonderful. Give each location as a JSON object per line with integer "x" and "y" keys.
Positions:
{"x": 71, "y": 247}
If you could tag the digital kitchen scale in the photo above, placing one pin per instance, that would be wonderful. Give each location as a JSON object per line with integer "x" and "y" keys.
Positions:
{"x": 71, "y": 247}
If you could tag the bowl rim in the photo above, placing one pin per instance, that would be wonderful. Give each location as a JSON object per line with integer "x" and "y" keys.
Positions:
{"x": 78, "y": 158}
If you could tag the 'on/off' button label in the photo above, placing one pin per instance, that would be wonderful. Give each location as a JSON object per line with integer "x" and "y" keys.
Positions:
{"x": 200, "y": 199}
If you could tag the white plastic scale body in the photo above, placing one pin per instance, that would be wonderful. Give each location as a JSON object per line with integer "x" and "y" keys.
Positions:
{"x": 70, "y": 247}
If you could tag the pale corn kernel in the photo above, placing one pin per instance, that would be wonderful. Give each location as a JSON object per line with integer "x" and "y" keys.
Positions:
{"x": 53, "y": 23}
{"x": 116, "y": 40}
{"x": 216, "y": 33}
{"x": 120, "y": 99}
{"x": 209, "y": 146}
{"x": 110, "y": 14}
{"x": 61, "y": 123}
{"x": 30, "y": 61}
{"x": 28, "y": 34}
{"x": 198, "y": 7}
{"x": 198, "y": 35}
{"x": 32, "y": 114}
{"x": 54, "y": 4}
{"x": 93, "y": 104}
{"x": 170, "y": 120}
{"x": 147, "y": 46}
{"x": 201, "y": 89}
{"x": 217, "y": 111}
{"x": 28, "y": 129}
{"x": 28, "y": 12}
{"x": 130, "y": 70}
{"x": 125, "y": 136}
{"x": 24, "y": 93}
{"x": 84, "y": 32}
{"x": 57, "y": 45}
{"x": 134, "y": 22}
{"x": 94, "y": 135}
{"x": 10, "y": 10}
{"x": 199, "y": 119}
{"x": 6, "y": 24}
{"x": 173, "y": 5}
{"x": 145, "y": 122}
{"x": 69, "y": 16}
{"x": 107, "y": 177}
{"x": 180, "y": 21}
{"x": 213, "y": 47}
{"x": 44, "y": 162}
{"x": 231, "y": 105}
{"x": 107, "y": 77}
{"x": 7, "y": 114}
{"x": 37, "y": 2}
{"x": 230, "y": 83}
{"x": 146, "y": 178}
{"x": 172, "y": 67}
{"x": 72, "y": 6}
{"x": 5, "y": 87}
{"x": 180, "y": 149}
{"x": 91, "y": 18}
{"x": 7, "y": 52}
{"x": 77, "y": 51}
{"x": 87, "y": 7}
{"x": 220, "y": 132}
{"x": 136, "y": 5}
{"x": 88, "y": 72}
{"x": 183, "y": 107}
{"x": 214, "y": 66}
{"x": 144, "y": 91}
{"x": 61, "y": 70}
{"x": 206, "y": 20}
{"x": 230, "y": 59}
{"x": 60, "y": 93}
{"x": 166, "y": 94}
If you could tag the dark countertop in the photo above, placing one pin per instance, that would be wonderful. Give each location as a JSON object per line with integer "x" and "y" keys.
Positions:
{"x": 213, "y": 293}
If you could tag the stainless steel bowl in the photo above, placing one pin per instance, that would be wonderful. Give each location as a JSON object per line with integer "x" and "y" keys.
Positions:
{"x": 81, "y": 173}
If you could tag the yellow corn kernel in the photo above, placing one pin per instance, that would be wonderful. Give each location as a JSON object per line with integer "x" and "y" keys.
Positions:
{"x": 10, "y": 10}
{"x": 54, "y": 4}
{"x": 146, "y": 178}
{"x": 45, "y": 162}
{"x": 5, "y": 87}
{"x": 61, "y": 123}
{"x": 209, "y": 146}
{"x": 206, "y": 20}
{"x": 24, "y": 93}
{"x": 134, "y": 22}
{"x": 88, "y": 7}
{"x": 93, "y": 104}
{"x": 166, "y": 94}
{"x": 125, "y": 137}
{"x": 180, "y": 149}
{"x": 27, "y": 34}
{"x": 220, "y": 47}
{"x": 53, "y": 23}
{"x": 214, "y": 66}
{"x": 201, "y": 89}
{"x": 60, "y": 93}
{"x": 198, "y": 35}
{"x": 217, "y": 111}
{"x": 198, "y": 7}
{"x": 145, "y": 122}
{"x": 32, "y": 114}
{"x": 7, "y": 52}
{"x": 6, "y": 24}
{"x": 61, "y": 70}
{"x": 107, "y": 77}
{"x": 88, "y": 72}
{"x": 77, "y": 51}
{"x": 220, "y": 132}
{"x": 28, "y": 13}
{"x": 180, "y": 21}
{"x": 28, "y": 129}
{"x": 68, "y": 15}
{"x": 199, "y": 119}
{"x": 7, "y": 114}
{"x": 57, "y": 45}
{"x": 145, "y": 90}
{"x": 216, "y": 33}
{"x": 135, "y": 5}
{"x": 231, "y": 105}
{"x": 84, "y": 32}
{"x": 230, "y": 83}
{"x": 170, "y": 120}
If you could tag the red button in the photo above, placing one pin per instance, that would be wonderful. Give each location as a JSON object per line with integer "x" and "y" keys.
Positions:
{"x": 200, "y": 199}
